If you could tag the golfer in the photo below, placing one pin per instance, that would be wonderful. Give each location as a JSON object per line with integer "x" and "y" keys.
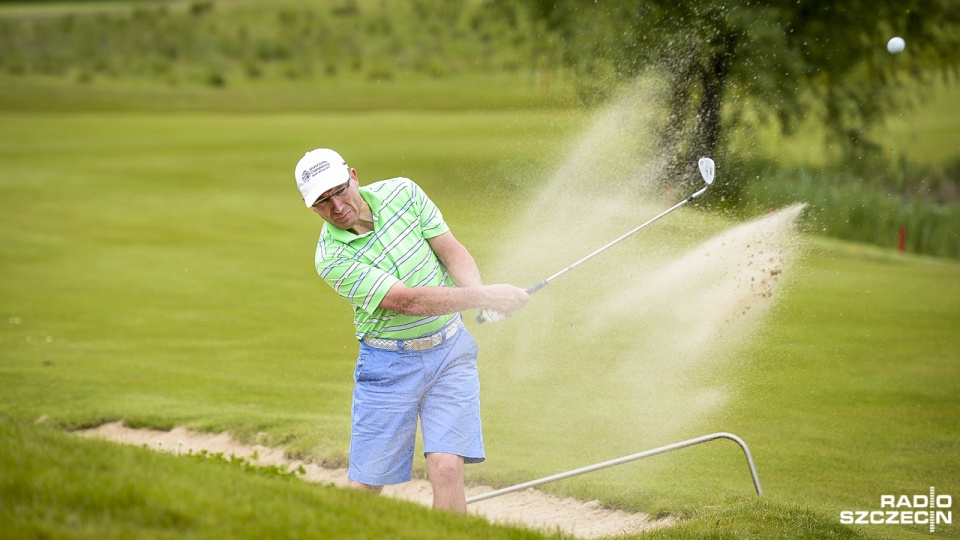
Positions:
{"x": 386, "y": 249}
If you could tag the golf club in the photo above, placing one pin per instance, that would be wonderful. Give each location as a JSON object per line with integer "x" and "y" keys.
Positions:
{"x": 707, "y": 170}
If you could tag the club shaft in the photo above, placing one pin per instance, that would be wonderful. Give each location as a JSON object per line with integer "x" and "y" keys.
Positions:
{"x": 545, "y": 282}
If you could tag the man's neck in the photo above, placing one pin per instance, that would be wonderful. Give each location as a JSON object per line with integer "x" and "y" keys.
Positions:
{"x": 364, "y": 223}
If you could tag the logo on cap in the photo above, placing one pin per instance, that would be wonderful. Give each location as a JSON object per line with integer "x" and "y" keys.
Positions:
{"x": 314, "y": 170}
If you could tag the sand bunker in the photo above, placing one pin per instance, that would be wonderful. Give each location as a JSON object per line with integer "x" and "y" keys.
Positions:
{"x": 530, "y": 508}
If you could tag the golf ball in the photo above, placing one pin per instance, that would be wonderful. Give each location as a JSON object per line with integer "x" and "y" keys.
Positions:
{"x": 896, "y": 45}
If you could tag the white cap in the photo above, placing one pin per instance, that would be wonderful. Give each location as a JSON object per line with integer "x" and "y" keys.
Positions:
{"x": 318, "y": 171}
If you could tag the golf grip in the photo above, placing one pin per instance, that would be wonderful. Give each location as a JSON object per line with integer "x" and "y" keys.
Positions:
{"x": 537, "y": 287}
{"x": 531, "y": 290}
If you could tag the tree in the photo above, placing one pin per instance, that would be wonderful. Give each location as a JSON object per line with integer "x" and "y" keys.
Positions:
{"x": 787, "y": 61}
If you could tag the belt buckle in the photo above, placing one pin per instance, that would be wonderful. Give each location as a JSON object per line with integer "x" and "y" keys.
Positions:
{"x": 421, "y": 344}
{"x": 431, "y": 341}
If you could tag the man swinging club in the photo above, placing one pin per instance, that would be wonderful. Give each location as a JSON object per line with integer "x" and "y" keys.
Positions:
{"x": 386, "y": 249}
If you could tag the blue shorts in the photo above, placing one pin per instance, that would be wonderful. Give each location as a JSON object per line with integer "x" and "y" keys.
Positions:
{"x": 441, "y": 386}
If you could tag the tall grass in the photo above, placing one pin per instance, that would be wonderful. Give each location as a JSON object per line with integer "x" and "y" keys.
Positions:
{"x": 218, "y": 43}
{"x": 875, "y": 210}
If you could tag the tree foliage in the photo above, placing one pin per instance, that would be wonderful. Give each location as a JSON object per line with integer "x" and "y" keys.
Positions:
{"x": 785, "y": 62}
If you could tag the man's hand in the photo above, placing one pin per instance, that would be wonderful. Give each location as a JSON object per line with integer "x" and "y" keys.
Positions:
{"x": 505, "y": 299}
{"x": 489, "y": 315}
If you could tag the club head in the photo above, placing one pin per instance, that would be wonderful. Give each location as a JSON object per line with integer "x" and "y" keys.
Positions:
{"x": 707, "y": 169}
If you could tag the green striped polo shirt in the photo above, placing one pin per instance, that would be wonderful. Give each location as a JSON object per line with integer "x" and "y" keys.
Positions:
{"x": 361, "y": 269}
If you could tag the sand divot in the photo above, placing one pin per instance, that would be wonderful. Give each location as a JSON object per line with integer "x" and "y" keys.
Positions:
{"x": 530, "y": 508}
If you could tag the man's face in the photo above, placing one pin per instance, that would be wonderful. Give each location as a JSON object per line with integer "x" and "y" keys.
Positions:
{"x": 340, "y": 205}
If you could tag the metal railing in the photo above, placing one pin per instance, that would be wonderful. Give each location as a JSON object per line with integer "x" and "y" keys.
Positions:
{"x": 627, "y": 459}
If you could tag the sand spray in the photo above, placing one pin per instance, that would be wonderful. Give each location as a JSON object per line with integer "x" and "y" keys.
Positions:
{"x": 629, "y": 350}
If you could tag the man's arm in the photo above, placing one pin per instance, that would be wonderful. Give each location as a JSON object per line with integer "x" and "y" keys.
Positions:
{"x": 459, "y": 262}
{"x": 470, "y": 293}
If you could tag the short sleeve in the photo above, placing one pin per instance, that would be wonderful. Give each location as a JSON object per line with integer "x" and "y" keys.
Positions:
{"x": 361, "y": 284}
{"x": 431, "y": 220}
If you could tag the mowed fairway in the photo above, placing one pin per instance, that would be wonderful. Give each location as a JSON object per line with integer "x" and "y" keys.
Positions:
{"x": 157, "y": 269}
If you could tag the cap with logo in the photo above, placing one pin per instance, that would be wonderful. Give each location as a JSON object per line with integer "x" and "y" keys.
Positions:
{"x": 318, "y": 171}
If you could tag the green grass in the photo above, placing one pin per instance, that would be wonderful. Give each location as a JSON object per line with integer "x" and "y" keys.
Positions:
{"x": 156, "y": 268}
{"x": 845, "y": 205}
{"x": 317, "y": 44}
{"x": 756, "y": 519}
{"x": 59, "y": 486}
{"x": 852, "y": 386}
{"x": 142, "y": 250}
{"x": 848, "y": 391}
{"x": 498, "y": 91}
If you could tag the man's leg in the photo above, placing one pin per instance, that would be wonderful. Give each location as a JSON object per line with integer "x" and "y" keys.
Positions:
{"x": 383, "y": 431}
{"x": 450, "y": 418}
{"x": 446, "y": 477}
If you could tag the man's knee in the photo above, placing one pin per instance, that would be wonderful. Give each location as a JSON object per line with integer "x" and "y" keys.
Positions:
{"x": 445, "y": 467}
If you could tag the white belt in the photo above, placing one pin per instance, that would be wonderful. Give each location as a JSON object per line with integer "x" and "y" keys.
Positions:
{"x": 417, "y": 344}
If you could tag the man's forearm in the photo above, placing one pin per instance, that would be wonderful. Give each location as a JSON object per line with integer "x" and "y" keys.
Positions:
{"x": 427, "y": 301}
{"x": 469, "y": 293}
